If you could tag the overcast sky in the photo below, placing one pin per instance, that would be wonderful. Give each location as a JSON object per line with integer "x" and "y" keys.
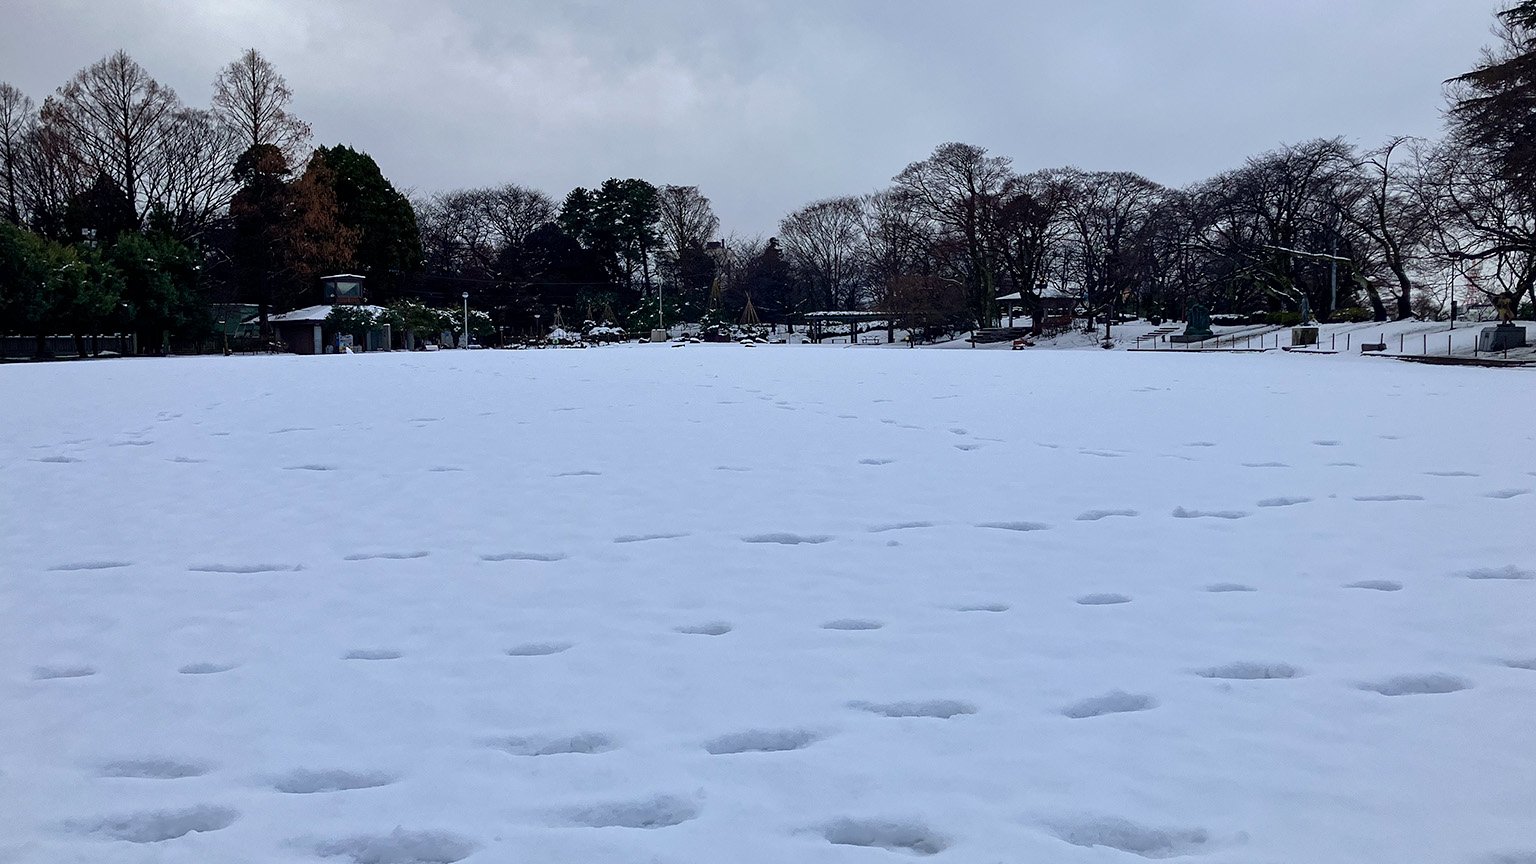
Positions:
{"x": 769, "y": 106}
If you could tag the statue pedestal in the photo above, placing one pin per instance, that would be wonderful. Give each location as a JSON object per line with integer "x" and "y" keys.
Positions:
{"x": 1501, "y": 338}
{"x": 1192, "y": 335}
{"x": 658, "y": 335}
{"x": 1303, "y": 336}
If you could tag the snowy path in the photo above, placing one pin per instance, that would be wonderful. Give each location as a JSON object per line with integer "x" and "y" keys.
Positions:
{"x": 785, "y": 604}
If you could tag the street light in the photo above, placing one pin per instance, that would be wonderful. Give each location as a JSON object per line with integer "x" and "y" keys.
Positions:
{"x": 466, "y": 319}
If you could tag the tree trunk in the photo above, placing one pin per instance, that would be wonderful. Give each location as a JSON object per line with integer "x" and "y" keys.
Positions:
{"x": 1405, "y": 293}
{"x": 1377, "y": 307}
{"x": 42, "y": 352}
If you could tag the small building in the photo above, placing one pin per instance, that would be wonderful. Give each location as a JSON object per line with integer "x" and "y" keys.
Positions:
{"x": 343, "y": 289}
{"x": 302, "y": 331}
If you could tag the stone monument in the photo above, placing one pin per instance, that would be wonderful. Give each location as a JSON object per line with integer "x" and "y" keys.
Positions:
{"x": 1507, "y": 334}
{"x": 1199, "y": 327}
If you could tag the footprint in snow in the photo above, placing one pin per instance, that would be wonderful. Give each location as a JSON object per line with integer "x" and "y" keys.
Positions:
{"x": 1376, "y": 585}
{"x": 1097, "y": 515}
{"x": 983, "y": 607}
{"x": 89, "y": 565}
{"x": 761, "y": 741}
{"x": 787, "y": 539}
{"x": 1509, "y": 573}
{"x": 372, "y": 654}
{"x": 852, "y": 624}
{"x": 58, "y": 460}
{"x": 941, "y": 709}
{"x": 205, "y": 668}
{"x": 1418, "y": 685}
{"x": 399, "y": 846}
{"x": 646, "y": 538}
{"x": 1265, "y": 465}
{"x": 1388, "y": 498}
{"x": 155, "y": 826}
{"x": 307, "y": 781}
{"x": 662, "y": 811}
{"x": 1451, "y": 474}
{"x": 1181, "y": 513}
{"x": 583, "y": 743}
{"x": 386, "y": 556}
{"x": 1230, "y": 588}
{"x": 1102, "y": 600}
{"x": 1326, "y": 443}
{"x": 546, "y": 557}
{"x": 245, "y": 569}
{"x": 709, "y": 628}
{"x": 539, "y": 649}
{"x": 1113, "y": 702}
{"x": 1506, "y": 494}
{"x": 50, "y": 673}
{"x": 876, "y": 461}
{"x": 906, "y": 836}
{"x": 152, "y": 769}
{"x": 1243, "y": 671}
{"x": 1284, "y": 501}
{"x": 581, "y": 473}
{"x": 899, "y": 526}
{"x": 1124, "y": 835}
{"x": 1015, "y": 526}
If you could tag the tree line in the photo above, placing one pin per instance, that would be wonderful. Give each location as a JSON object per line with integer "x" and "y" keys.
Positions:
{"x": 125, "y": 209}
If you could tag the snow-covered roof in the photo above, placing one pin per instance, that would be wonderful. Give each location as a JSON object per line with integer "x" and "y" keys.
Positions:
{"x": 313, "y": 313}
{"x": 342, "y": 276}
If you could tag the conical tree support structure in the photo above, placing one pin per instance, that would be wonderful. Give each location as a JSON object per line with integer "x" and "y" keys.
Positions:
{"x": 749, "y": 315}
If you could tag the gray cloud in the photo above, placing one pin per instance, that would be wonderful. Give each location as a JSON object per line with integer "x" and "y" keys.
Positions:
{"x": 768, "y": 107}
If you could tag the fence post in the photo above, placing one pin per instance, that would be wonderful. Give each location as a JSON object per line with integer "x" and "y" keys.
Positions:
{"x": 1447, "y": 344}
{"x": 1348, "y": 337}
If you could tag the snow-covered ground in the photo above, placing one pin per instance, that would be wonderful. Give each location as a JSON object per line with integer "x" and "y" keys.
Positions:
{"x": 718, "y": 604}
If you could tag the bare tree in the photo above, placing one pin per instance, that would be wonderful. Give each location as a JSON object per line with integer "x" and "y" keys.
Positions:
{"x": 251, "y": 99}
{"x": 17, "y": 118}
{"x": 687, "y": 219}
{"x": 823, "y": 241}
{"x": 53, "y": 177}
{"x": 1108, "y": 213}
{"x": 192, "y": 181}
{"x": 1382, "y": 205}
{"x": 1032, "y": 231}
{"x": 115, "y": 116}
{"x": 959, "y": 188}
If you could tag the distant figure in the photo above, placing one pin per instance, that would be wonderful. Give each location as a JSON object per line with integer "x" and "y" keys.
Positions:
{"x": 1505, "y": 302}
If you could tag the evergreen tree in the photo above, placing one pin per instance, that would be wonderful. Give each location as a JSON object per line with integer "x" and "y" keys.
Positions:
{"x": 1494, "y": 108}
{"x": 388, "y": 240}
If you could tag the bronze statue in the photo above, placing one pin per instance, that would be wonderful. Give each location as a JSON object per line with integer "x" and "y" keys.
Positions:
{"x": 1505, "y": 303}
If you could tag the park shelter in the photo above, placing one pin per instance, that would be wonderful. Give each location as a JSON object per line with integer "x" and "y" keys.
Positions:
{"x": 302, "y": 331}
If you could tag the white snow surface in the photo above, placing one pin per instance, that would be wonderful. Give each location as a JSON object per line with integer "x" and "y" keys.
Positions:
{"x": 795, "y": 604}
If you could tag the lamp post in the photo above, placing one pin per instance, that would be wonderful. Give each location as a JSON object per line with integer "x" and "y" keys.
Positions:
{"x": 466, "y": 319}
